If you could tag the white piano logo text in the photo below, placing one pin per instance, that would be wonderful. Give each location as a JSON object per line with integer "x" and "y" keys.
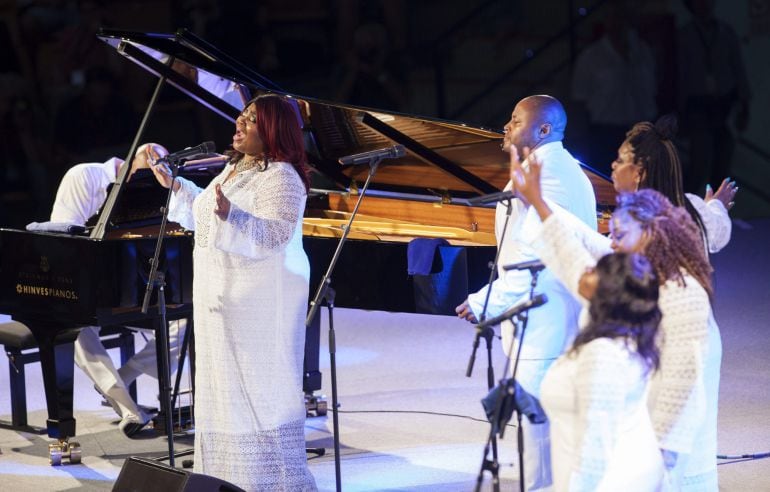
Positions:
{"x": 35, "y": 290}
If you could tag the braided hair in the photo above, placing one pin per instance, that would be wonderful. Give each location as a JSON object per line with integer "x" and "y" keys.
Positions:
{"x": 674, "y": 241}
{"x": 655, "y": 151}
{"x": 625, "y": 305}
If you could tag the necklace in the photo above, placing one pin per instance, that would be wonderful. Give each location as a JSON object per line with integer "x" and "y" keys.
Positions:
{"x": 245, "y": 164}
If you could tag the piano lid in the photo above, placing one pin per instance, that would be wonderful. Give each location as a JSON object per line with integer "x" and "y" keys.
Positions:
{"x": 444, "y": 159}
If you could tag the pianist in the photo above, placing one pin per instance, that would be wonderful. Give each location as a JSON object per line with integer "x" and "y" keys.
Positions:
{"x": 81, "y": 193}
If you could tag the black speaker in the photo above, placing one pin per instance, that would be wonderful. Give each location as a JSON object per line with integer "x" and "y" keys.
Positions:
{"x": 143, "y": 475}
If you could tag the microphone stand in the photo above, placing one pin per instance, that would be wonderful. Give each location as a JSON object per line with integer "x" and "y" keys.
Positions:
{"x": 507, "y": 391}
{"x": 326, "y": 293}
{"x": 493, "y": 466}
{"x": 156, "y": 278}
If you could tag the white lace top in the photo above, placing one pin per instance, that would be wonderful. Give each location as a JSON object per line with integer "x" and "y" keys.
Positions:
{"x": 601, "y": 435}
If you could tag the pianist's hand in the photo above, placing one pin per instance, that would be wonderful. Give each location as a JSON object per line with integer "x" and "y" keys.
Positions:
{"x": 222, "y": 208}
{"x": 464, "y": 312}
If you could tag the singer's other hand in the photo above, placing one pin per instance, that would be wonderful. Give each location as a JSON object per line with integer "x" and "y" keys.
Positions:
{"x": 222, "y": 208}
{"x": 725, "y": 194}
{"x": 526, "y": 182}
{"x": 464, "y": 312}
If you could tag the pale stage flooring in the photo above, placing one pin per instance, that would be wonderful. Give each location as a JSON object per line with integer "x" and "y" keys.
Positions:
{"x": 410, "y": 419}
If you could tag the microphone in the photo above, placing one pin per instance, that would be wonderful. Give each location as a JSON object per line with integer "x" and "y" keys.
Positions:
{"x": 189, "y": 153}
{"x": 536, "y": 301}
{"x": 492, "y": 197}
{"x": 532, "y": 265}
{"x": 366, "y": 157}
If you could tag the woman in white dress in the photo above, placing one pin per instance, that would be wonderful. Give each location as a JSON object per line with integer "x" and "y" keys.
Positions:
{"x": 250, "y": 292}
{"x": 595, "y": 395}
{"x": 684, "y": 392}
{"x": 648, "y": 158}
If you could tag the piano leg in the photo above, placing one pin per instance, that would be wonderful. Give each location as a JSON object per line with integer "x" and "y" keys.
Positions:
{"x": 311, "y": 380}
{"x": 57, "y": 362}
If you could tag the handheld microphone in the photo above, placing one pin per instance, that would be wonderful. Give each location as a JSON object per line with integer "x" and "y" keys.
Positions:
{"x": 366, "y": 157}
{"x": 536, "y": 301}
{"x": 533, "y": 265}
{"x": 189, "y": 153}
{"x": 492, "y": 197}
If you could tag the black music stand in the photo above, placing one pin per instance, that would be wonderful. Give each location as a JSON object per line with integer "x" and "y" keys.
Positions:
{"x": 325, "y": 293}
{"x": 487, "y": 332}
{"x": 156, "y": 278}
{"x": 505, "y": 397}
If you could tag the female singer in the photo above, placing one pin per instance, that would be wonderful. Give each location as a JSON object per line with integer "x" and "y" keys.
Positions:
{"x": 684, "y": 392}
{"x": 250, "y": 296}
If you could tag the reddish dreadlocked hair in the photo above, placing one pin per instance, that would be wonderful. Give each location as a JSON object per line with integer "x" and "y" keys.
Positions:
{"x": 674, "y": 241}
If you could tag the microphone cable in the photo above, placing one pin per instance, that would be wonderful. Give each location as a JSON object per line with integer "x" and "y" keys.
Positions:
{"x": 755, "y": 456}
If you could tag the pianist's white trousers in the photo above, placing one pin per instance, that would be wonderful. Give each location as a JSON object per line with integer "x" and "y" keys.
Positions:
{"x": 92, "y": 358}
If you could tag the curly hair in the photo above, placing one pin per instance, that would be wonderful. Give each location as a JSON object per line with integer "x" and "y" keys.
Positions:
{"x": 625, "y": 305}
{"x": 278, "y": 128}
{"x": 655, "y": 152}
{"x": 674, "y": 241}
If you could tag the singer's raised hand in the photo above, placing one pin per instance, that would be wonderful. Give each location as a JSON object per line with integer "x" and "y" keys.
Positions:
{"x": 222, "y": 208}
{"x": 526, "y": 182}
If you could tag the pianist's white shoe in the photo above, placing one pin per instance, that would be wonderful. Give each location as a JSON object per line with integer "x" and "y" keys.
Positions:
{"x": 133, "y": 419}
{"x": 131, "y": 424}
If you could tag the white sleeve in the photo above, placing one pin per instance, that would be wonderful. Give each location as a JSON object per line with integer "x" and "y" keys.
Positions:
{"x": 716, "y": 220}
{"x": 679, "y": 405}
{"x": 601, "y": 390}
{"x": 568, "y": 247}
{"x": 511, "y": 286}
{"x": 180, "y": 209}
{"x": 267, "y": 224}
{"x": 507, "y": 290}
{"x": 78, "y": 197}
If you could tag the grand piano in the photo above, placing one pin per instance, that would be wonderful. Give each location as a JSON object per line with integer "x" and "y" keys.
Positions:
{"x": 54, "y": 282}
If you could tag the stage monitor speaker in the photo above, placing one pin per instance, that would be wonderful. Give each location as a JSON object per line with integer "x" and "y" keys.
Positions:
{"x": 144, "y": 475}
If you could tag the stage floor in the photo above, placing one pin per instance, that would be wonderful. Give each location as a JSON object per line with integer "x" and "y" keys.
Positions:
{"x": 410, "y": 419}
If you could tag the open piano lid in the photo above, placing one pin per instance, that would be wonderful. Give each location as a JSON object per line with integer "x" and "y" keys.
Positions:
{"x": 445, "y": 161}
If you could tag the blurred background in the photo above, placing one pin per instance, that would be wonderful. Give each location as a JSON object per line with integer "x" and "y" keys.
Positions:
{"x": 67, "y": 97}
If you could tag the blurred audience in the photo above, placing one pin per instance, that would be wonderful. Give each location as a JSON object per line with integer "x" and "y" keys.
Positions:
{"x": 370, "y": 75}
{"x": 23, "y": 145}
{"x": 98, "y": 121}
{"x": 713, "y": 86}
{"x": 614, "y": 84}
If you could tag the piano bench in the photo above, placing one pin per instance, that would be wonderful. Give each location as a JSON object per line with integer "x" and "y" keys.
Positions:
{"x": 21, "y": 348}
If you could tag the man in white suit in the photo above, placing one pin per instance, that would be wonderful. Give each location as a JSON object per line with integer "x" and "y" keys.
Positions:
{"x": 537, "y": 123}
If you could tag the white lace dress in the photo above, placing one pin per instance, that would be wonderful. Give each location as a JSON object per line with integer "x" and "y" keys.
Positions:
{"x": 684, "y": 392}
{"x": 250, "y": 294}
{"x": 601, "y": 435}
